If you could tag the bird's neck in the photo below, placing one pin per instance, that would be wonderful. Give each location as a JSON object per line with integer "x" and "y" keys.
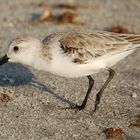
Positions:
{"x": 41, "y": 64}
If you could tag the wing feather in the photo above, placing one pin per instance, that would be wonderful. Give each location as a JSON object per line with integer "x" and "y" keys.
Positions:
{"x": 85, "y": 46}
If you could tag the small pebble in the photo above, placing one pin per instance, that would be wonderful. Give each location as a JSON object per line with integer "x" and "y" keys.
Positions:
{"x": 4, "y": 98}
{"x": 134, "y": 95}
{"x": 114, "y": 133}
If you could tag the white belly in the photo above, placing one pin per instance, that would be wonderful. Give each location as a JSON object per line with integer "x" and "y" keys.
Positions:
{"x": 63, "y": 66}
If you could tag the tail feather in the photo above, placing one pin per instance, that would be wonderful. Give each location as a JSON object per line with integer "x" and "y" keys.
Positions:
{"x": 133, "y": 48}
{"x": 134, "y": 39}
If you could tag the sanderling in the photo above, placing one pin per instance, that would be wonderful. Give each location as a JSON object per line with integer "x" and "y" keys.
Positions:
{"x": 74, "y": 54}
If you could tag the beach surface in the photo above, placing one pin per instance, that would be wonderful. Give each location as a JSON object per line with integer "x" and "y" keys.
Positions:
{"x": 32, "y": 102}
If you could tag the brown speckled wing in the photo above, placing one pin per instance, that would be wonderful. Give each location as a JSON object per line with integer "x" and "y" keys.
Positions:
{"x": 91, "y": 45}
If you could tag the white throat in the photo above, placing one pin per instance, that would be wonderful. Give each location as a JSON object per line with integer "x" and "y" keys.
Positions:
{"x": 41, "y": 64}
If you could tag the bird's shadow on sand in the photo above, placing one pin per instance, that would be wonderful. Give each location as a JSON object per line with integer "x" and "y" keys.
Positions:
{"x": 13, "y": 74}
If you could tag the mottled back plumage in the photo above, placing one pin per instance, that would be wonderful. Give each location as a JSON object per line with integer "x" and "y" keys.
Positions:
{"x": 84, "y": 46}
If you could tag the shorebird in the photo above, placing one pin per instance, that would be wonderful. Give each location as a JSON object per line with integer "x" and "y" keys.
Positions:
{"x": 74, "y": 54}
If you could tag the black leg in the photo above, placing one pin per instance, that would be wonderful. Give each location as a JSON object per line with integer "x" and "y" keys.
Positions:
{"x": 83, "y": 105}
{"x": 99, "y": 94}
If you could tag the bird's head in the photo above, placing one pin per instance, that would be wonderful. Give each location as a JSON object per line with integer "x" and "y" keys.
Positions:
{"x": 22, "y": 50}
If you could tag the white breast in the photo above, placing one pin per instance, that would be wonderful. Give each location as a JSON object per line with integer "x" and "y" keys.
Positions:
{"x": 63, "y": 65}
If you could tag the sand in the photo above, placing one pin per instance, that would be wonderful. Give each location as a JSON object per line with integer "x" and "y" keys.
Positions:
{"x": 35, "y": 111}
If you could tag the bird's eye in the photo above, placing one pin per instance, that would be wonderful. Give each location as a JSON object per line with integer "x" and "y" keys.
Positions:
{"x": 16, "y": 48}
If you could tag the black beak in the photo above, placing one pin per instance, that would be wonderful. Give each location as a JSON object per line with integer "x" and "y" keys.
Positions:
{"x": 4, "y": 60}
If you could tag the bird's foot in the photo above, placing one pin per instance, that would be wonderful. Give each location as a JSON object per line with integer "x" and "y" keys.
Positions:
{"x": 77, "y": 107}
